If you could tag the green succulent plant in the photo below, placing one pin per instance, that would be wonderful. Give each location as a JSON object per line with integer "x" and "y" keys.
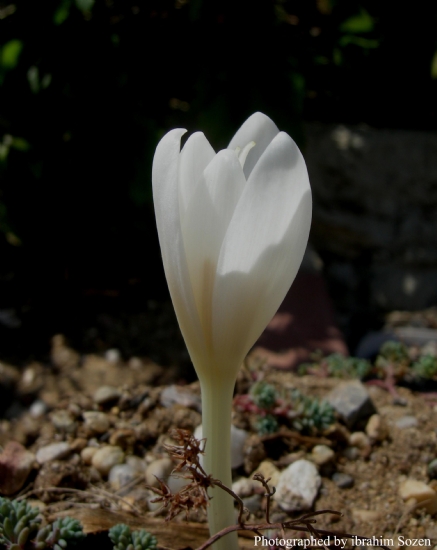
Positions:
{"x": 19, "y": 522}
{"x": 310, "y": 413}
{"x": 393, "y": 351}
{"x": 124, "y": 539}
{"x": 425, "y": 367}
{"x": 264, "y": 395}
{"x": 20, "y": 528}
{"x": 266, "y": 425}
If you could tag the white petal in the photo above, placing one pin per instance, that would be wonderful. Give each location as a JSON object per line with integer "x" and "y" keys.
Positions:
{"x": 195, "y": 156}
{"x": 166, "y": 201}
{"x": 258, "y": 128}
{"x": 206, "y": 221}
{"x": 263, "y": 247}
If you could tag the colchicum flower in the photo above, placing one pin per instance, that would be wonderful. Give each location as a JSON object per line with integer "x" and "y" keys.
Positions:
{"x": 233, "y": 229}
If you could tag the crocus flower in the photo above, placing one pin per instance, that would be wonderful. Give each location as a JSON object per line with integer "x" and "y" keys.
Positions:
{"x": 233, "y": 227}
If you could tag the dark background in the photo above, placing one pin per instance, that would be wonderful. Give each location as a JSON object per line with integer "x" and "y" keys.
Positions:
{"x": 87, "y": 89}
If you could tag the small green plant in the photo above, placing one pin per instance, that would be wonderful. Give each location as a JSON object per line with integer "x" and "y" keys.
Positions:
{"x": 124, "y": 539}
{"x": 266, "y": 425}
{"x": 395, "y": 352}
{"x": 20, "y": 528}
{"x": 425, "y": 367}
{"x": 263, "y": 395}
{"x": 310, "y": 413}
{"x": 339, "y": 366}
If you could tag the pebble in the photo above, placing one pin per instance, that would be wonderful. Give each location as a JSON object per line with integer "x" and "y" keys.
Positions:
{"x": 322, "y": 454}
{"x": 121, "y": 475}
{"x": 352, "y": 402}
{"x": 268, "y": 470}
{"x": 54, "y": 451}
{"x": 253, "y": 503}
{"x": 364, "y": 516}
{"x": 37, "y": 409}
{"x": 417, "y": 490}
{"x": 113, "y": 356}
{"x": 238, "y": 439}
{"x": 351, "y": 453}
{"x": 407, "y": 421}
{"x": 343, "y": 481}
{"x": 123, "y": 437}
{"x": 376, "y": 428}
{"x": 360, "y": 440}
{"x": 180, "y": 395}
{"x": 160, "y": 468}
{"x": 106, "y": 457}
{"x": 16, "y": 463}
{"x": 87, "y": 454}
{"x": 245, "y": 487}
{"x": 96, "y": 422}
{"x": 63, "y": 421}
{"x": 106, "y": 394}
{"x": 298, "y": 486}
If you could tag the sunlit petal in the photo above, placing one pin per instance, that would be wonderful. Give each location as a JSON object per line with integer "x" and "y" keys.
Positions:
{"x": 258, "y": 128}
{"x": 264, "y": 244}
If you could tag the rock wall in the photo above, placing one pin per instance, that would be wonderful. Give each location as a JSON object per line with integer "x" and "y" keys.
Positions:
{"x": 375, "y": 217}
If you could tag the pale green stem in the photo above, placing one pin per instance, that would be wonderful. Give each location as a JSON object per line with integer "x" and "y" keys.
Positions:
{"x": 216, "y": 428}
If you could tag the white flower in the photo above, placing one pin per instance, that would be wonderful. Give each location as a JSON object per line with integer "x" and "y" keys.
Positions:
{"x": 232, "y": 237}
{"x": 233, "y": 228}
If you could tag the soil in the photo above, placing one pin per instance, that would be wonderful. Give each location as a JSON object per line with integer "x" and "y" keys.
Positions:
{"x": 139, "y": 422}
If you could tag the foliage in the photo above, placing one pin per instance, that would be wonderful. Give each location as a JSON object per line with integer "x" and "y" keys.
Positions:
{"x": 263, "y": 395}
{"x": 425, "y": 367}
{"x": 266, "y": 425}
{"x": 20, "y": 528}
{"x": 124, "y": 539}
{"x": 339, "y": 366}
{"x": 310, "y": 413}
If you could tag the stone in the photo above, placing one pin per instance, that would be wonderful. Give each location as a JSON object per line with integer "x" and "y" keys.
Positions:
{"x": 343, "y": 481}
{"x": 87, "y": 454}
{"x": 412, "y": 488}
{"x": 181, "y": 395}
{"x": 54, "y": 451}
{"x": 322, "y": 454}
{"x": 106, "y": 457}
{"x": 245, "y": 487}
{"x": 160, "y": 468}
{"x": 359, "y": 440}
{"x": 298, "y": 486}
{"x": 63, "y": 421}
{"x": 376, "y": 428}
{"x": 16, "y": 463}
{"x": 238, "y": 439}
{"x": 253, "y": 503}
{"x": 366, "y": 207}
{"x": 407, "y": 421}
{"x": 37, "y": 409}
{"x": 268, "y": 470}
{"x": 365, "y": 516}
{"x": 304, "y": 322}
{"x": 96, "y": 422}
{"x": 122, "y": 475}
{"x": 106, "y": 394}
{"x": 352, "y": 402}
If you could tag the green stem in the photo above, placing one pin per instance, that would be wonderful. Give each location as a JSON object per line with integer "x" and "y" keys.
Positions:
{"x": 216, "y": 428}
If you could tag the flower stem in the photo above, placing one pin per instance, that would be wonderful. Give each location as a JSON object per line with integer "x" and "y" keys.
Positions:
{"x": 216, "y": 428}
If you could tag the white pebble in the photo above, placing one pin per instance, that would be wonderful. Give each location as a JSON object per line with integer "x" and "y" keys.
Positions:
{"x": 298, "y": 486}
{"x": 106, "y": 457}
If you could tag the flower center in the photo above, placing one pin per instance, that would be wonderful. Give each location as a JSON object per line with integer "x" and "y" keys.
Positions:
{"x": 242, "y": 153}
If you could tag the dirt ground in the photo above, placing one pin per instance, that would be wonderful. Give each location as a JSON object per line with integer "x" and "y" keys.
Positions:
{"x": 137, "y": 420}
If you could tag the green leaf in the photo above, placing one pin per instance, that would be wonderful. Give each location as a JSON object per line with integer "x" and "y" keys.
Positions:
{"x": 84, "y": 5}
{"x": 62, "y": 12}
{"x": 361, "y": 22}
{"x": 10, "y": 53}
{"x": 366, "y": 43}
